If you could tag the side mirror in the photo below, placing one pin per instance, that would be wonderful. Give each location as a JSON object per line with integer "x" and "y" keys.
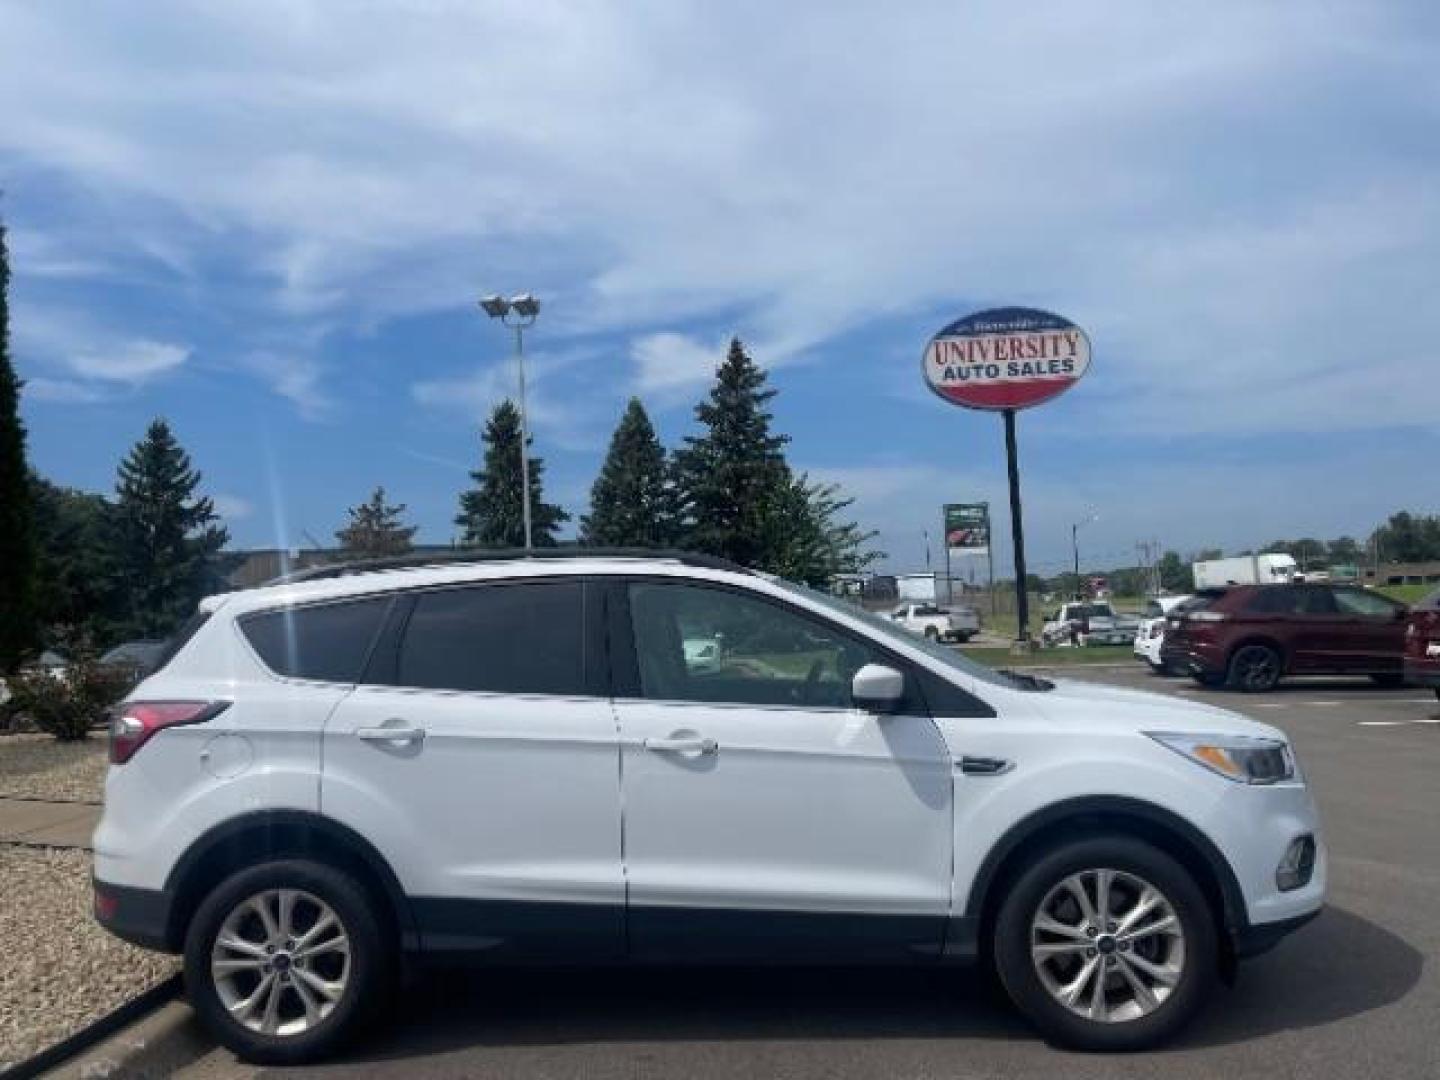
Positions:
{"x": 877, "y": 689}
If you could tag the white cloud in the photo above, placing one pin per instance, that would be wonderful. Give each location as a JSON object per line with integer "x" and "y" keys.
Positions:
{"x": 1216, "y": 192}
{"x": 130, "y": 361}
{"x": 65, "y": 391}
{"x": 232, "y": 507}
{"x": 294, "y": 377}
{"x": 552, "y": 405}
{"x": 668, "y": 363}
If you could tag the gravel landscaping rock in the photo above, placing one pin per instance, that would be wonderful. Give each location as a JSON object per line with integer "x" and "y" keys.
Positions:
{"x": 40, "y": 767}
{"x": 61, "y": 971}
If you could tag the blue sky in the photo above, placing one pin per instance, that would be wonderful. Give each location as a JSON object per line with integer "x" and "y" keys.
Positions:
{"x": 269, "y": 223}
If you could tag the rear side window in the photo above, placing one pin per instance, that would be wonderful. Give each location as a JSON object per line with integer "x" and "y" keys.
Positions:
{"x": 327, "y": 642}
{"x": 523, "y": 638}
{"x": 1274, "y": 600}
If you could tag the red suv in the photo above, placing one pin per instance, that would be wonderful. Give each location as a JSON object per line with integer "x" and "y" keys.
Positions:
{"x": 1249, "y": 637}
{"x": 1422, "y": 643}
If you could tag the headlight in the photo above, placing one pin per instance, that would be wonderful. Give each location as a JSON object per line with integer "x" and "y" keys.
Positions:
{"x": 1235, "y": 757}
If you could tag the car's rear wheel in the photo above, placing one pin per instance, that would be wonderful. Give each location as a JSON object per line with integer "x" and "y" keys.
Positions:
{"x": 1254, "y": 669}
{"x": 284, "y": 960}
{"x": 931, "y": 634}
{"x": 1106, "y": 944}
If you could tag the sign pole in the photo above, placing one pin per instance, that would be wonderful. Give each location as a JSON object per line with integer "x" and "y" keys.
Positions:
{"x": 990, "y": 559}
{"x": 949, "y": 588}
{"x": 1017, "y": 531}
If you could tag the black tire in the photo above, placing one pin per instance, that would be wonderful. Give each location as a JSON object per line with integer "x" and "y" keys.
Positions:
{"x": 1018, "y": 972}
{"x": 372, "y": 961}
{"x": 1389, "y": 680}
{"x": 1255, "y": 669}
{"x": 931, "y": 634}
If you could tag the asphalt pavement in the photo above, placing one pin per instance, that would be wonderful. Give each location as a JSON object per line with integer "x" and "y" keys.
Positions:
{"x": 1355, "y": 994}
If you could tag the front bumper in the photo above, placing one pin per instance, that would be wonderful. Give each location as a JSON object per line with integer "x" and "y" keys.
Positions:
{"x": 1257, "y": 938}
{"x": 1255, "y": 826}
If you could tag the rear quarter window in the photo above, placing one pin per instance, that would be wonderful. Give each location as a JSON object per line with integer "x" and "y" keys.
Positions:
{"x": 177, "y": 641}
{"x": 326, "y": 642}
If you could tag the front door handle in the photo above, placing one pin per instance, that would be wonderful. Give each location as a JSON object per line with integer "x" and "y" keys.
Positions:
{"x": 390, "y": 734}
{"x": 682, "y": 744}
{"x": 985, "y": 766}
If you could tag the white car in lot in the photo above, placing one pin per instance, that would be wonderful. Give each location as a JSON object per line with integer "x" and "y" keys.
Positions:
{"x": 515, "y": 760}
{"x": 1088, "y": 622}
{"x": 938, "y": 623}
{"x": 1151, "y": 635}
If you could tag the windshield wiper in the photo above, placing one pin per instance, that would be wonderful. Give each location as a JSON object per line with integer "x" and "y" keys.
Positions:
{"x": 1030, "y": 682}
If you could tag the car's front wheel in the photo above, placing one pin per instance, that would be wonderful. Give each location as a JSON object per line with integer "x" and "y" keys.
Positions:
{"x": 284, "y": 960}
{"x": 1106, "y": 943}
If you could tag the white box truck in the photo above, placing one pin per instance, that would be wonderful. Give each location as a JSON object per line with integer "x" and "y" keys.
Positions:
{"x": 1271, "y": 569}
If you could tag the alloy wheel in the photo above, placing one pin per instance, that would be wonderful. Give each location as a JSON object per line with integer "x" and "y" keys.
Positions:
{"x": 1108, "y": 945}
{"x": 1256, "y": 668}
{"x": 281, "y": 962}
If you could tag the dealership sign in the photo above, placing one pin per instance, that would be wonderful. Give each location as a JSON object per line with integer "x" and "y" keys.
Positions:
{"x": 1006, "y": 358}
{"x": 967, "y": 528}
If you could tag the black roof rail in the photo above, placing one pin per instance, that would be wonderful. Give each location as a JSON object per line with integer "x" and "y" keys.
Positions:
{"x": 461, "y": 558}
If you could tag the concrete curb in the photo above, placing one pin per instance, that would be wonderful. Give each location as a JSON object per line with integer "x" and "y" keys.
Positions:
{"x": 152, "y": 1034}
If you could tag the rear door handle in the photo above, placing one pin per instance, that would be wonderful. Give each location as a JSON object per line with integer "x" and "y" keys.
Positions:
{"x": 985, "y": 766}
{"x": 682, "y": 744}
{"x": 390, "y": 734}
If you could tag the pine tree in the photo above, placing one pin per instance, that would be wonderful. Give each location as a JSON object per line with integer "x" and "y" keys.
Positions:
{"x": 491, "y": 515}
{"x": 631, "y": 502}
{"x": 168, "y": 536}
{"x": 18, "y": 631}
{"x": 807, "y": 542}
{"x": 734, "y": 476}
{"x": 76, "y": 578}
{"x": 375, "y": 529}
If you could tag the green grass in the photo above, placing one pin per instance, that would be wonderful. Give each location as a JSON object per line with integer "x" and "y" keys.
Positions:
{"x": 1090, "y": 654}
{"x": 1408, "y": 594}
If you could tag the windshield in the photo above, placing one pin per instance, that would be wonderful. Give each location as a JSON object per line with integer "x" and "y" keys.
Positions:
{"x": 887, "y": 629}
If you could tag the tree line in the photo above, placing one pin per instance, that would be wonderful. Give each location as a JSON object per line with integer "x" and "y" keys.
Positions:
{"x": 79, "y": 569}
{"x": 1404, "y": 537}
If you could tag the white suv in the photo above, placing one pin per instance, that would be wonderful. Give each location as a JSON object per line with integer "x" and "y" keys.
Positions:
{"x": 518, "y": 759}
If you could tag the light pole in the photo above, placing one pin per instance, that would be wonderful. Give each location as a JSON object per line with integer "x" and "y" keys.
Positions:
{"x": 518, "y": 313}
{"x": 1075, "y": 546}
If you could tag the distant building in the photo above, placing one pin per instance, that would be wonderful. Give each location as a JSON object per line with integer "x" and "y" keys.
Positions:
{"x": 1415, "y": 573}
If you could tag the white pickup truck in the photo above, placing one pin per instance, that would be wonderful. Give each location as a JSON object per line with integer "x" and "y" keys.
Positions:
{"x": 1089, "y": 622}
{"x": 937, "y": 623}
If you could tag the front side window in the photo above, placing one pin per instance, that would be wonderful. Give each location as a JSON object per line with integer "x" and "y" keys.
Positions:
{"x": 694, "y": 643}
{"x": 325, "y": 642}
{"x": 522, "y": 638}
{"x": 1359, "y": 602}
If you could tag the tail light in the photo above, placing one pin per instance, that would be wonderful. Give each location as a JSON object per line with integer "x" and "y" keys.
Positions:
{"x": 134, "y": 722}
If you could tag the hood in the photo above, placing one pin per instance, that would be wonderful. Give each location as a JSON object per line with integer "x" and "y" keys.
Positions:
{"x": 1141, "y": 710}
